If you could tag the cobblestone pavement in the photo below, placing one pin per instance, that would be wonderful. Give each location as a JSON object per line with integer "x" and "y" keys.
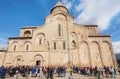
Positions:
{"x": 75, "y": 76}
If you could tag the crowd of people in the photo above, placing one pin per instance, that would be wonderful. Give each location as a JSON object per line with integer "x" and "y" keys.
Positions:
{"x": 49, "y": 72}
{"x": 32, "y": 71}
{"x": 107, "y": 72}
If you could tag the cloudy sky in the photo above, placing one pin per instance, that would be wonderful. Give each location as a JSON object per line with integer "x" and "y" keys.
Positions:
{"x": 15, "y": 14}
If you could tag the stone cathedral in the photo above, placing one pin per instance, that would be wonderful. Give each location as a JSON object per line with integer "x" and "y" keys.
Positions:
{"x": 59, "y": 42}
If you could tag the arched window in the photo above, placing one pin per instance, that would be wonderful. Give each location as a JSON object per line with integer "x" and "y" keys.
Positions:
{"x": 14, "y": 47}
{"x": 54, "y": 45}
{"x": 59, "y": 30}
{"x": 27, "y": 47}
{"x": 63, "y": 45}
{"x": 74, "y": 43}
{"x": 27, "y": 33}
{"x": 40, "y": 41}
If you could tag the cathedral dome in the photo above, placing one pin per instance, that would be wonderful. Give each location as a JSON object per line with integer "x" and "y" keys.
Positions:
{"x": 59, "y": 6}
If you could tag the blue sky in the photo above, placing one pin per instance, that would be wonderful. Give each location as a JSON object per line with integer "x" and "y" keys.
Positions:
{"x": 15, "y": 14}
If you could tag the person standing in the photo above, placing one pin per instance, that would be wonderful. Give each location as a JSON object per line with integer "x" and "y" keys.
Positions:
{"x": 112, "y": 72}
{"x": 71, "y": 76}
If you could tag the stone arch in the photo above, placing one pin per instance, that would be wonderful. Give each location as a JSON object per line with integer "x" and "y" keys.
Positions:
{"x": 27, "y": 33}
{"x": 60, "y": 14}
{"x": 106, "y": 54}
{"x": 14, "y": 42}
{"x": 83, "y": 42}
{"x": 73, "y": 40}
{"x": 40, "y": 34}
{"x": 40, "y": 41}
{"x": 74, "y": 34}
{"x": 38, "y": 59}
{"x": 84, "y": 54}
{"x": 27, "y": 42}
{"x": 95, "y": 54}
{"x": 18, "y": 60}
{"x": 56, "y": 8}
{"x": 27, "y": 45}
{"x": 38, "y": 55}
{"x": 95, "y": 42}
{"x": 106, "y": 42}
{"x": 14, "y": 46}
{"x": 60, "y": 18}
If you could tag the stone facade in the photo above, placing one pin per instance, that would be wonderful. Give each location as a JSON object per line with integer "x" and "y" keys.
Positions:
{"x": 59, "y": 41}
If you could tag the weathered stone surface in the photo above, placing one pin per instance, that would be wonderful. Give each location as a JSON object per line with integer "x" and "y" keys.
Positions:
{"x": 60, "y": 42}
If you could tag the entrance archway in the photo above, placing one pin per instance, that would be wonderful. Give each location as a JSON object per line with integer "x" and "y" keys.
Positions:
{"x": 38, "y": 60}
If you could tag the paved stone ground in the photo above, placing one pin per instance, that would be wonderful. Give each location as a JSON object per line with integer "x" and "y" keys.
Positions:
{"x": 78, "y": 76}
{"x": 75, "y": 76}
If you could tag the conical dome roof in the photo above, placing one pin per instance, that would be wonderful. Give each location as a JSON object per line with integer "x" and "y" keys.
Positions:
{"x": 59, "y": 4}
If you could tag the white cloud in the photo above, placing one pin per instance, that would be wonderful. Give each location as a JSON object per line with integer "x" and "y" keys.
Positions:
{"x": 97, "y": 12}
{"x": 3, "y": 43}
{"x": 2, "y": 40}
{"x": 116, "y": 46}
{"x": 3, "y": 46}
{"x": 67, "y": 3}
